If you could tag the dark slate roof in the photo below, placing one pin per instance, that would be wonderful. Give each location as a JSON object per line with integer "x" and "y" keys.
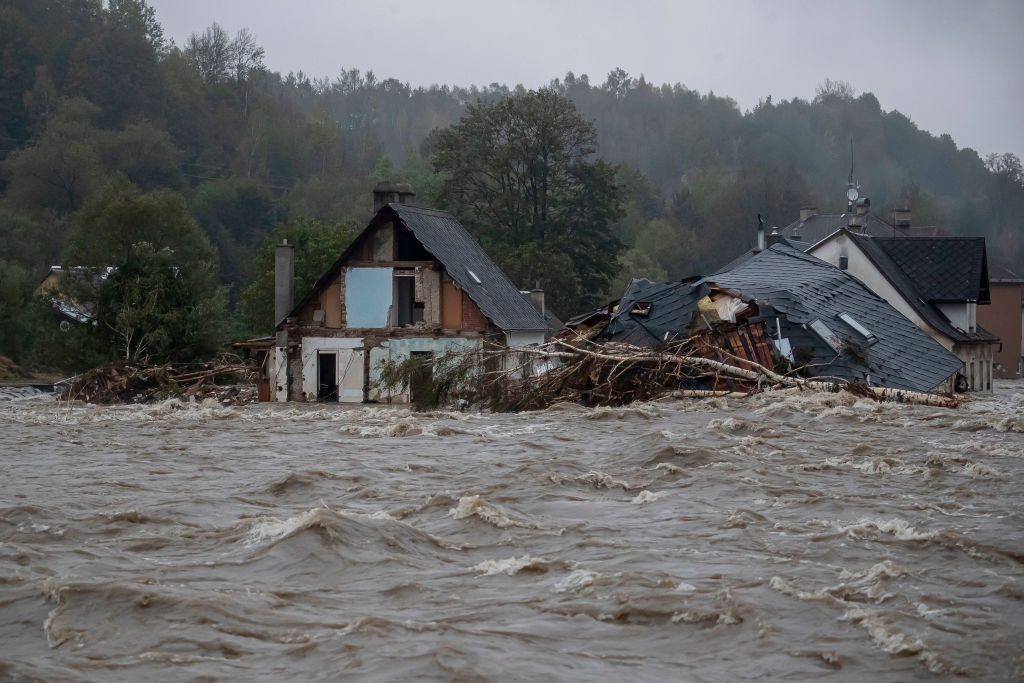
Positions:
{"x": 896, "y": 275}
{"x": 804, "y": 288}
{"x": 672, "y": 306}
{"x": 943, "y": 269}
{"x": 443, "y": 236}
{"x": 772, "y": 239}
{"x": 820, "y": 225}
{"x": 799, "y": 289}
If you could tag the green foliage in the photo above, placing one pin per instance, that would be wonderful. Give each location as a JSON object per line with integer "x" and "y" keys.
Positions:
{"x": 122, "y": 215}
{"x": 62, "y": 169}
{"x": 18, "y": 313}
{"x": 317, "y": 246}
{"x": 521, "y": 172}
{"x": 160, "y": 299}
{"x": 157, "y": 307}
{"x": 90, "y": 91}
{"x": 237, "y": 213}
{"x": 435, "y": 381}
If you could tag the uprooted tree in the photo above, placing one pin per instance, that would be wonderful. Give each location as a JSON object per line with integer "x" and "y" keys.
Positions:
{"x": 579, "y": 371}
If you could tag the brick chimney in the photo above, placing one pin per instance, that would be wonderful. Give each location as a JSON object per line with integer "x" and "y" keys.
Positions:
{"x": 387, "y": 192}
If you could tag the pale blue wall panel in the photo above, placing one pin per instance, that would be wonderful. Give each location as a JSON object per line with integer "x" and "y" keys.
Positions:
{"x": 367, "y": 296}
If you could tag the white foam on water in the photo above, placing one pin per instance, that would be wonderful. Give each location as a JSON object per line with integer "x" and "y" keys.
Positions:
{"x": 601, "y": 480}
{"x": 511, "y": 565}
{"x": 269, "y": 529}
{"x": 645, "y": 497}
{"x": 576, "y": 580}
{"x": 470, "y": 506}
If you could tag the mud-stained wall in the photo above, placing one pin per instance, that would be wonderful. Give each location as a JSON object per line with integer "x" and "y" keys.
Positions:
{"x": 398, "y": 350}
{"x": 279, "y": 375}
{"x": 977, "y": 360}
{"x": 368, "y": 296}
{"x": 348, "y": 371}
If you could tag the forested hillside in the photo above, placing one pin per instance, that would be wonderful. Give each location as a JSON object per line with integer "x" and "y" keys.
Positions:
{"x": 102, "y": 119}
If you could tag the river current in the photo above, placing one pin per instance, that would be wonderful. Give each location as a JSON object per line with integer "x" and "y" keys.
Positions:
{"x": 788, "y": 536}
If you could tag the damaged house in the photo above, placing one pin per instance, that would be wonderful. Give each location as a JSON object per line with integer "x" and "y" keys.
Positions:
{"x": 937, "y": 282}
{"x": 784, "y": 304}
{"x": 413, "y": 283}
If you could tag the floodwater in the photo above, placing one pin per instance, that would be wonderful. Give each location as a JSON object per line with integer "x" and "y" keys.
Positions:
{"x": 797, "y": 536}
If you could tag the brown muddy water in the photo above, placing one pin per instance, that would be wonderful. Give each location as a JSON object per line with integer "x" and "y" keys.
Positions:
{"x": 782, "y": 537}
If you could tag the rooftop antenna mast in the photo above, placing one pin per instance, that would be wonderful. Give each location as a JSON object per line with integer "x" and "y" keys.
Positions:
{"x": 851, "y": 187}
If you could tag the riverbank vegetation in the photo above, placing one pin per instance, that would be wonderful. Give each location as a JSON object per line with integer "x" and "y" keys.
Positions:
{"x": 177, "y": 166}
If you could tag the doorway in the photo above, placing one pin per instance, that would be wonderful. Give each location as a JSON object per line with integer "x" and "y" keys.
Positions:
{"x": 327, "y": 376}
{"x": 423, "y": 378}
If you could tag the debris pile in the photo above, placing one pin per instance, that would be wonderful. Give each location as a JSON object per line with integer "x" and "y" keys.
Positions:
{"x": 225, "y": 380}
{"x": 616, "y": 373}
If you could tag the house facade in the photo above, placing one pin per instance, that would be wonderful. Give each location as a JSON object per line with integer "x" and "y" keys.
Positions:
{"x": 1004, "y": 318}
{"x": 936, "y": 282}
{"x": 413, "y": 283}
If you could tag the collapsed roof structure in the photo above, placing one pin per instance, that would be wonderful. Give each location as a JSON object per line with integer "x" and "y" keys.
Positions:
{"x": 817, "y": 317}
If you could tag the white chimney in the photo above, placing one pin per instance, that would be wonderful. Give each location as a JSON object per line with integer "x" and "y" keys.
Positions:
{"x": 284, "y": 280}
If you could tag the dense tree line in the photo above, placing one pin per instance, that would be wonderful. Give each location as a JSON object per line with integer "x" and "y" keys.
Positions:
{"x": 99, "y": 110}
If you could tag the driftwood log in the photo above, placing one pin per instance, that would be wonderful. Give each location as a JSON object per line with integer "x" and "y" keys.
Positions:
{"x": 623, "y": 355}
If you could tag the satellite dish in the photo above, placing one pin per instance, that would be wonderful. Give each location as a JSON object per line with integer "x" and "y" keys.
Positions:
{"x": 852, "y": 194}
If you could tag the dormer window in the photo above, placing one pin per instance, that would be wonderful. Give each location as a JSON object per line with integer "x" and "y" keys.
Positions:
{"x": 858, "y": 328}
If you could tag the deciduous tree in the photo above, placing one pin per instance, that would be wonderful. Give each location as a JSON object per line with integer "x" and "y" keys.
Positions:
{"x": 521, "y": 172}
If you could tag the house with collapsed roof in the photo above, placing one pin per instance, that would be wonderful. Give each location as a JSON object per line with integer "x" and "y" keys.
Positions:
{"x": 784, "y": 304}
{"x": 62, "y": 284}
{"x": 413, "y": 283}
{"x": 937, "y": 282}
{"x": 935, "y": 279}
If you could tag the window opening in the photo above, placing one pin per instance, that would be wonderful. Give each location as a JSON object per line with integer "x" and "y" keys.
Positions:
{"x": 405, "y": 299}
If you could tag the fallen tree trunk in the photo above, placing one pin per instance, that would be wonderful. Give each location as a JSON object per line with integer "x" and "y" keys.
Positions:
{"x": 617, "y": 373}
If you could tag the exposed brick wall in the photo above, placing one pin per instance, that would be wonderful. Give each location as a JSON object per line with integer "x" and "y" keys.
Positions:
{"x": 472, "y": 318}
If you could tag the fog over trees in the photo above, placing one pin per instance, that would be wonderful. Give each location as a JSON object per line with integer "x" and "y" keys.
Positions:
{"x": 98, "y": 109}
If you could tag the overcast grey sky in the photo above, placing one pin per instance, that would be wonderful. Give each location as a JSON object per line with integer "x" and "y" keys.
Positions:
{"x": 952, "y": 67}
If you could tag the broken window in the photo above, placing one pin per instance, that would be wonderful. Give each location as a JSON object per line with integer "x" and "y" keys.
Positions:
{"x": 641, "y": 308}
{"x": 827, "y": 335}
{"x": 404, "y": 305}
